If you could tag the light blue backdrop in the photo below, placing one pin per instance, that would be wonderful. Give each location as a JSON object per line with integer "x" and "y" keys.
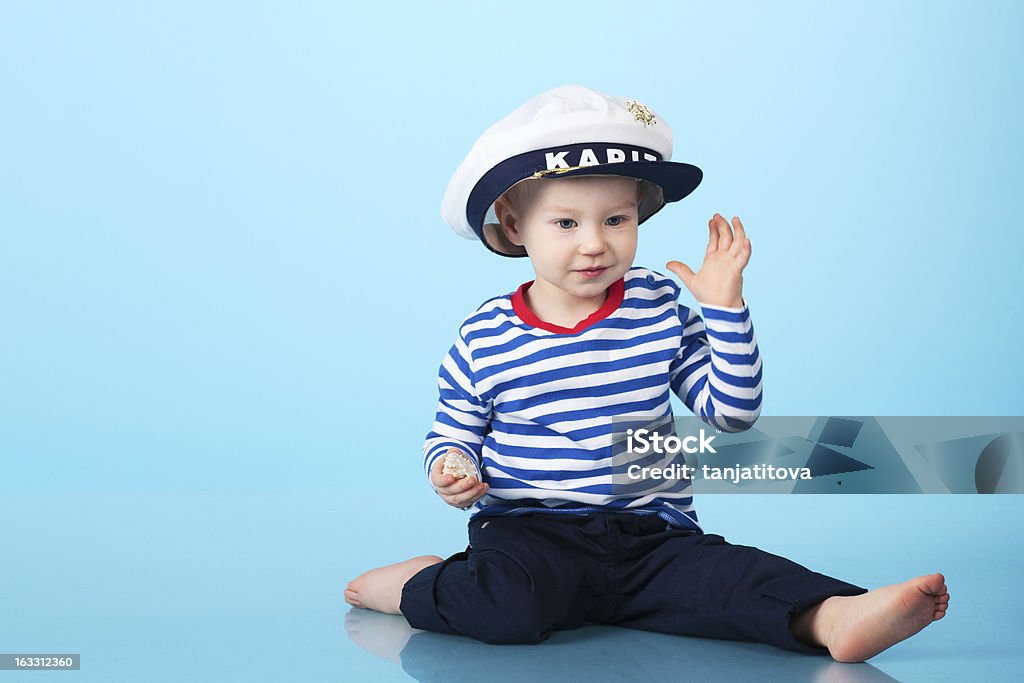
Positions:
{"x": 224, "y": 278}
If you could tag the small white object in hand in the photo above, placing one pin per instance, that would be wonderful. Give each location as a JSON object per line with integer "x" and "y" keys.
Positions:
{"x": 458, "y": 465}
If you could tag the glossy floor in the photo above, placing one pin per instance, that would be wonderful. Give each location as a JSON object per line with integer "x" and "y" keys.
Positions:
{"x": 247, "y": 586}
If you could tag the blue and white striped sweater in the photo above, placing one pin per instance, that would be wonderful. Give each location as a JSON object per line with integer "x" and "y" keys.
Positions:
{"x": 533, "y": 404}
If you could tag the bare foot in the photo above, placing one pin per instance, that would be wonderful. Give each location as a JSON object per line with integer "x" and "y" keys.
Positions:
{"x": 857, "y": 628}
{"x": 381, "y": 588}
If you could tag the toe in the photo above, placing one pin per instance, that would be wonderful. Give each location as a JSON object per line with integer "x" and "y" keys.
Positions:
{"x": 933, "y": 584}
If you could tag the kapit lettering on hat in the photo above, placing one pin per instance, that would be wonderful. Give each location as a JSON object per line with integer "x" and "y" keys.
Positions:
{"x": 588, "y": 157}
{"x": 567, "y": 131}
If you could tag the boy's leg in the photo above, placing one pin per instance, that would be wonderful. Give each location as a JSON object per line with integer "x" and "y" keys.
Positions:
{"x": 516, "y": 583}
{"x": 701, "y": 585}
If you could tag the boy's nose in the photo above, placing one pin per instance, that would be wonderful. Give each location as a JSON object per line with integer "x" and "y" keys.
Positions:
{"x": 592, "y": 241}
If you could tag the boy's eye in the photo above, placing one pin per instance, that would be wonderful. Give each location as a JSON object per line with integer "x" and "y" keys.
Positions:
{"x": 616, "y": 221}
{"x": 566, "y": 223}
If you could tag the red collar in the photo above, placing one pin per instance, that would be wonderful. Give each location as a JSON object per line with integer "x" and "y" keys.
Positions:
{"x": 611, "y": 303}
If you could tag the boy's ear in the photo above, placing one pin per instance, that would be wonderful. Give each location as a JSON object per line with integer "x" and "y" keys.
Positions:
{"x": 508, "y": 220}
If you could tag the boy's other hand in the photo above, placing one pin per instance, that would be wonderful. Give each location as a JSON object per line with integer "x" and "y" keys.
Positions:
{"x": 719, "y": 282}
{"x": 460, "y": 493}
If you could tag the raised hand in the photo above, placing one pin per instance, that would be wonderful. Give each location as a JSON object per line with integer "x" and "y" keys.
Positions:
{"x": 719, "y": 282}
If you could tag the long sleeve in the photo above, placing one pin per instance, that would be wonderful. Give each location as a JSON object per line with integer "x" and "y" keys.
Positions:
{"x": 717, "y": 372}
{"x": 463, "y": 417}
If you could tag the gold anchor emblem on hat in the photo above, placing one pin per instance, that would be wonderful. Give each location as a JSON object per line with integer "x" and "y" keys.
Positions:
{"x": 640, "y": 112}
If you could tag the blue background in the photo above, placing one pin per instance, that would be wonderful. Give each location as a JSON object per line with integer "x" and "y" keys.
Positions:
{"x": 226, "y": 289}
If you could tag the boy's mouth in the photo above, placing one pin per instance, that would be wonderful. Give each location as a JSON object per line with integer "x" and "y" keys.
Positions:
{"x": 592, "y": 272}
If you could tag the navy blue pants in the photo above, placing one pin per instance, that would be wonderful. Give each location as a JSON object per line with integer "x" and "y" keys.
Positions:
{"x": 523, "y": 577}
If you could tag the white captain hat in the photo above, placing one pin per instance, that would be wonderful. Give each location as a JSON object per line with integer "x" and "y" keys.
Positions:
{"x": 568, "y": 131}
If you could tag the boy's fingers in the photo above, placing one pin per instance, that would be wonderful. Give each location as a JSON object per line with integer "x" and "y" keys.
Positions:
{"x": 436, "y": 469}
{"x": 465, "y": 499}
{"x": 724, "y": 232}
{"x": 441, "y": 480}
{"x": 460, "y": 493}
{"x": 741, "y": 234}
{"x": 744, "y": 253}
{"x": 477, "y": 494}
{"x": 682, "y": 271}
{"x": 712, "y": 236}
{"x": 458, "y": 486}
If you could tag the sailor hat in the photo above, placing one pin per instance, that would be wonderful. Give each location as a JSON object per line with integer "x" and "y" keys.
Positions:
{"x": 567, "y": 131}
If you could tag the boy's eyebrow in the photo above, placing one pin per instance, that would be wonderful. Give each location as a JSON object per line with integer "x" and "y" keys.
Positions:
{"x": 566, "y": 209}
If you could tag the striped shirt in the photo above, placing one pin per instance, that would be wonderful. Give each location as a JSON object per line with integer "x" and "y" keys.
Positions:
{"x": 537, "y": 407}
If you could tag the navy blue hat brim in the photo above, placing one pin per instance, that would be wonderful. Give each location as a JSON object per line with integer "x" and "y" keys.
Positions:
{"x": 675, "y": 178}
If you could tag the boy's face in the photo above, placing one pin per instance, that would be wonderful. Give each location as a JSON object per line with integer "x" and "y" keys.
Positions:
{"x": 580, "y": 233}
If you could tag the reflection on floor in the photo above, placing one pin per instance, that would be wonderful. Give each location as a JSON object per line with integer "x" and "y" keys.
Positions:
{"x": 593, "y": 654}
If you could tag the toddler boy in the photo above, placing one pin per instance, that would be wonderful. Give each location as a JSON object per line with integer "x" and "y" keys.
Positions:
{"x": 539, "y": 385}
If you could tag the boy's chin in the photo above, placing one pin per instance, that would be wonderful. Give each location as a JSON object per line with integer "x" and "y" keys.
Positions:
{"x": 585, "y": 287}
